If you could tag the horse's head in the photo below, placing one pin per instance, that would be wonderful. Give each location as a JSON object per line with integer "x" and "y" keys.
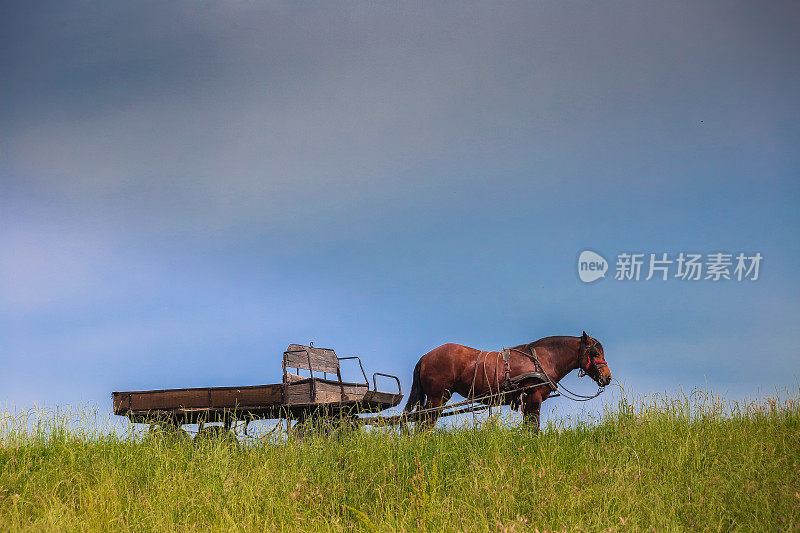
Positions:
{"x": 592, "y": 360}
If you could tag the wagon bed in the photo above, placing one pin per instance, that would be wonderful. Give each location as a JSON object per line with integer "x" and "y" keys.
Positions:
{"x": 296, "y": 397}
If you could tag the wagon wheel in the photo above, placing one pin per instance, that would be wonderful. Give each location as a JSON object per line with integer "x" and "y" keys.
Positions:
{"x": 219, "y": 434}
{"x": 168, "y": 432}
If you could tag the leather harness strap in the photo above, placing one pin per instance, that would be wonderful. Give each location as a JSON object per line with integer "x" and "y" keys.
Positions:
{"x": 507, "y": 363}
{"x": 512, "y": 383}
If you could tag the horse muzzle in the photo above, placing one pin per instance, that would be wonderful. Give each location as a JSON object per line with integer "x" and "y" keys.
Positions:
{"x": 603, "y": 379}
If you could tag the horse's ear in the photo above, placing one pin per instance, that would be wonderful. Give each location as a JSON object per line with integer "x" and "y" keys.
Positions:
{"x": 585, "y": 337}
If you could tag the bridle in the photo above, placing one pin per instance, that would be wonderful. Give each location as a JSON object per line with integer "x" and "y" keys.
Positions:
{"x": 593, "y": 359}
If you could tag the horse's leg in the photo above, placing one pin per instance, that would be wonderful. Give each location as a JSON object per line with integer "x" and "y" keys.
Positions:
{"x": 434, "y": 401}
{"x": 531, "y": 410}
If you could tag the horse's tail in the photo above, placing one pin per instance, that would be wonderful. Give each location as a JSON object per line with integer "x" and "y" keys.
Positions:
{"x": 417, "y": 395}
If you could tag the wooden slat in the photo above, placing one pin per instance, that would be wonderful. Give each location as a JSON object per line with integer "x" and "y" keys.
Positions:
{"x": 176, "y": 399}
{"x": 322, "y": 359}
{"x": 355, "y": 391}
{"x": 332, "y": 392}
{"x": 232, "y": 398}
{"x": 290, "y": 377}
{"x": 328, "y": 392}
{"x": 327, "y": 396}
{"x": 295, "y": 393}
{"x": 122, "y": 402}
{"x": 386, "y": 398}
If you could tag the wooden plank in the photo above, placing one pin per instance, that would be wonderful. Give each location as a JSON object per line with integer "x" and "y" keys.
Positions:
{"x": 332, "y": 392}
{"x": 328, "y": 392}
{"x": 328, "y": 396}
{"x": 235, "y": 397}
{"x": 356, "y": 390}
{"x": 383, "y": 398}
{"x": 170, "y": 399}
{"x": 322, "y": 359}
{"x": 295, "y": 393}
{"x": 122, "y": 402}
{"x": 290, "y": 377}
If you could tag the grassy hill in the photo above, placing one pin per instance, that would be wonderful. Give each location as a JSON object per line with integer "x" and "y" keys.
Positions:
{"x": 665, "y": 464}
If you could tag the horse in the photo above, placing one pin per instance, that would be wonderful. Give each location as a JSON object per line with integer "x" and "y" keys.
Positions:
{"x": 472, "y": 373}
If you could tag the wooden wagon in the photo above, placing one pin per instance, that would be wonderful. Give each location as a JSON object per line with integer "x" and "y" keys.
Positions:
{"x": 321, "y": 395}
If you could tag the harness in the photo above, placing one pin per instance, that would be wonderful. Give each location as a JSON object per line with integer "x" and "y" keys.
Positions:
{"x": 514, "y": 384}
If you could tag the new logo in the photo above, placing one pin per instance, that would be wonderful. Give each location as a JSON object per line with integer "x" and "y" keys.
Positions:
{"x": 591, "y": 266}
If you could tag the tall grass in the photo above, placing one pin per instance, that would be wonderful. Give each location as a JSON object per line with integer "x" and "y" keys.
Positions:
{"x": 695, "y": 462}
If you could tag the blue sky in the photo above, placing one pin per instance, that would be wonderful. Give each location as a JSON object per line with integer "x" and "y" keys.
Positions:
{"x": 185, "y": 189}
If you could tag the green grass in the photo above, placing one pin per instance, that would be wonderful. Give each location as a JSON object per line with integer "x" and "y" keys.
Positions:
{"x": 692, "y": 463}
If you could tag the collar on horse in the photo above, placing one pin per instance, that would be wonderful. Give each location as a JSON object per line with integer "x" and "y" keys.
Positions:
{"x": 513, "y": 383}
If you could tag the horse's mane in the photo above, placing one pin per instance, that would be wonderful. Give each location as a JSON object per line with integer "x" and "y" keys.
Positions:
{"x": 559, "y": 340}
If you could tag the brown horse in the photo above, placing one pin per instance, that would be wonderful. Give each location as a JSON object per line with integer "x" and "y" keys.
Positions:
{"x": 452, "y": 368}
